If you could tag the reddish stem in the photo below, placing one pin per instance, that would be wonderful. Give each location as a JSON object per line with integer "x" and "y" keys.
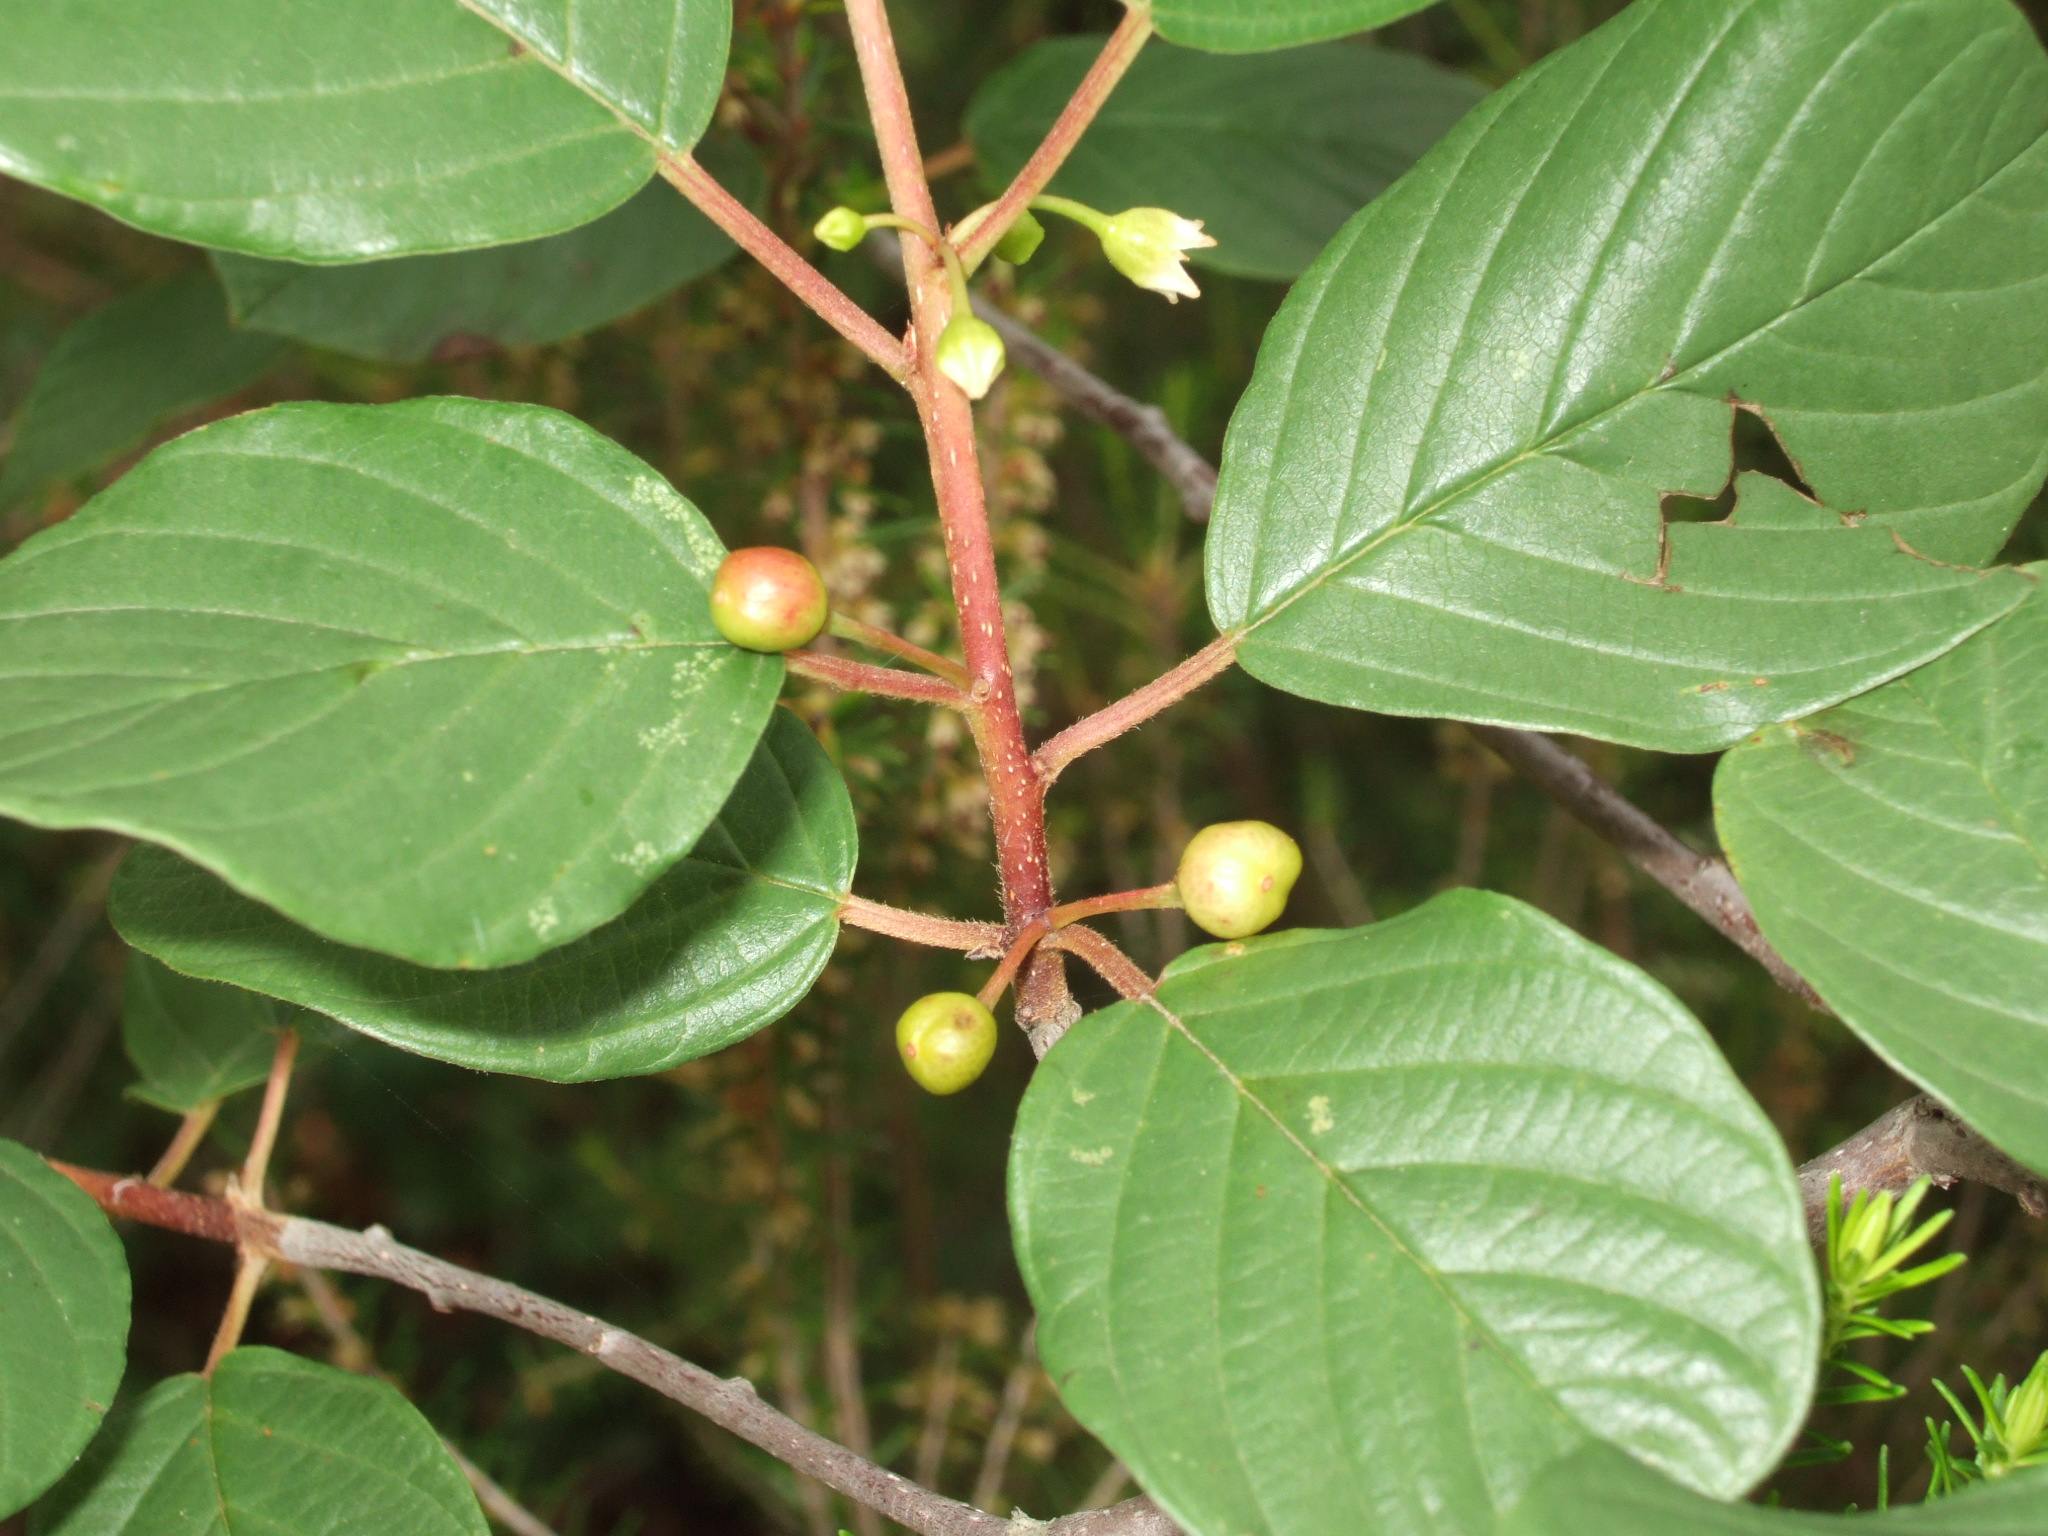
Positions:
{"x": 1143, "y": 899}
{"x": 1108, "y": 68}
{"x": 1016, "y": 804}
{"x": 922, "y": 928}
{"x": 1105, "y": 959}
{"x": 878, "y": 639}
{"x": 814, "y": 288}
{"x": 863, "y": 677}
{"x": 1019, "y": 951}
{"x": 1134, "y": 708}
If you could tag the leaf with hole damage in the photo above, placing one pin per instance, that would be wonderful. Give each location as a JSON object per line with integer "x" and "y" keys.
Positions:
{"x": 726, "y": 942}
{"x": 192, "y": 1041}
{"x": 1274, "y": 152}
{"x": 1251, "y": 26}
{"x": 538, "y": 291}
{"x": 1896, "y": 852}
{"x": 1360, "y": 1231}
{"x": 270, "y": 1443}
{"x": 63, "y": 1323}
{"x": 151, "y": 354}
{"x": 1440, "y": 495}
{"x": 437, "y": 679}
{"x": 328, "y": 130}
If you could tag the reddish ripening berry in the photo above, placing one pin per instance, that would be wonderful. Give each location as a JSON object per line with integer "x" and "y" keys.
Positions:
{"x": 945, "y": 1039}
{"x": 1234, "y": 877}
{"x": 768, "y": 599}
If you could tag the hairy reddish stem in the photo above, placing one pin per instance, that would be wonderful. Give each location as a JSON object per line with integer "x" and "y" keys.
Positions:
{"x": 864, "y": 677}
{"x": 1019, "y": 951}
{"x": 876, "y": 638}
{"x": 1108, "y": 68}
{"x": 1016, "y": 803}
{"x": 969, "y": 938}
{"x": 1134, "y": 708}
{"x": 818, "y": 292}
{"x": 1144, "y": 899}
{"x": 1105, "y": 959}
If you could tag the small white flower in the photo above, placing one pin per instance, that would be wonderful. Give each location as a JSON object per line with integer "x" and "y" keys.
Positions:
{"x": 970, "y": 353}
{"x": 1148, "y": 246}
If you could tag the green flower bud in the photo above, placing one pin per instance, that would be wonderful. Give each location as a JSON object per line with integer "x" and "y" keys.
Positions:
{"x": 1022, "y": 239}
{"x": 1234, "y": 877}
{"x": 970, "y": 352}
{"x": 842, "y": 229}
{"x": 1149, "y": 245}
{"x": 768, "y": 599}
{"x": 945, "y": 1040}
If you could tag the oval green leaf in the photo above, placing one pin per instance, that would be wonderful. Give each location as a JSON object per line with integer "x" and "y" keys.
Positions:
{"x": 1896, "y": 852}
{"x": 437, "y": 679}
{"x": 1358, "y": 1231}
{"x": 1272, "y": 152}
{"x": 1600, "y": 1493}
{"x": 269, "y": 1443}
{"x": 418, "y": 308}
{"x": 1252, "y": 26}
{"x": 63, "y": 1323}
{"x": 1441, "y": 493}
{"x": 726, "y": 942}
{"x": 192, "y": 1041}
{"x": 331, "y": 130}
{"x": 165, "y": 348}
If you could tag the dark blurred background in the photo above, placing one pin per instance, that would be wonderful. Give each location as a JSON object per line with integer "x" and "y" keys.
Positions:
{"x": 794, "y": 1209}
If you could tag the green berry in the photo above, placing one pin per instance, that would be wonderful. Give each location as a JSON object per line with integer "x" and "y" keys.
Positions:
{"x": 1235, "y": 876}
{"x": 842, "y": 229}
{"x": 768, "y": 599}
{"x": 945, "y": 1039}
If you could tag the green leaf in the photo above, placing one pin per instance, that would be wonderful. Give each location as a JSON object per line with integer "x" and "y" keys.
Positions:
{"x": 331, "y": 130}
{"x": 163, "y": 349}
{"x": 1358, "y": 1231}
{"x": 726, "y": 942}
{"x": 437, "y": 678}
{"x": 63, "y": 1323}
{"x": 1599, "y": 1493}
{"x": 269, "y": 1445}
{"x": 658, "y": 63}
{"x": 1896, "y": 851}
{"x": 539, "y": 291}
{"x": 1440, "y": 494}
{"x": 1273, "y": 152}
{"x": 192, "y": 1041}
{"x": 1251, "y": 26}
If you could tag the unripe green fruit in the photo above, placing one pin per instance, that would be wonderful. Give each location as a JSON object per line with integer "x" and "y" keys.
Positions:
{"x": 945, "y": 1039}
{"x": 768, "y": 599}
{"x": 1234, "y": 877}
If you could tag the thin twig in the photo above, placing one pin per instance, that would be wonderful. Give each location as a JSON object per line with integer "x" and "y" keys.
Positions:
{"x": 1702, "y": 882}
{"x": 1134, "y": 708}
{"x": 1145, "y": 898}
{"x": 865, "y": 677}
{"x": 1106, "y": 960}
{"x": 191, "y": 1132}
{"x": 1914, "y": 1140}
{"x": 1117, "y": 55}
{"x": 250, "y": 1262}
{"x": 975, "y": 940}
{"x": 1013, "y": 959}
{"x": 732, "y": 1404}
{"x": 1144, "y": 427}
{"x": 875, "y": 638}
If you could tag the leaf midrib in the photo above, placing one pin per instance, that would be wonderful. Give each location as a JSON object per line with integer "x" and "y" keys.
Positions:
{"x": 1565, "y": 432}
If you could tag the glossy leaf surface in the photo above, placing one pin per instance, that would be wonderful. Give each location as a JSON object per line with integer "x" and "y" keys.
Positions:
{"x": 148, "y": 355}
{"x": 1249, "y": 26}
{"x": 327, "y": 130}
{"x": 1358, "y": 1231}
{"x": 438, "y": 678}
{"x": 192, "y": 1041}
{"x": 1440, "y": 495}
{"x": 726, "y": 942}
{"x": 269, "y": 1445}
{"x": 1273, "y": 151}
{"x": 1896, "y": 851}
{"x": 63, "y": 1323}
{"x": 420, "y": 307}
